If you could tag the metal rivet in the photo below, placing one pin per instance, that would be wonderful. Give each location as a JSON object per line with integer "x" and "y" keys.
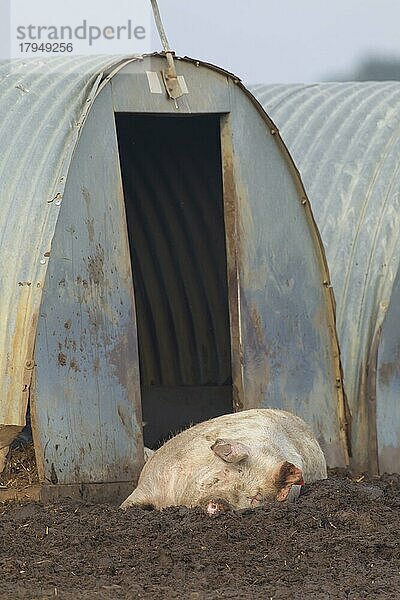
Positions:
{"x": 304, "y": 201}
{"x": 42, "y": 261}
{"x": 57, "y": 197}
{"x": 58, "y": 202}
{"x": 273, "y": 131}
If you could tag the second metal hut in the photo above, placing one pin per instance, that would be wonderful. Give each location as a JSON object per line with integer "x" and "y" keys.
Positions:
{"x": 345, "y": 140}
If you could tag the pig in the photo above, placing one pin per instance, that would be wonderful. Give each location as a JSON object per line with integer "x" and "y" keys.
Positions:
{"x": 235, "y": 461}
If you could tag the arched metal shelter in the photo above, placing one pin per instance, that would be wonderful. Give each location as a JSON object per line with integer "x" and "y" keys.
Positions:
{"x": 161, "y": 265}
{"x": 345, "y": 140}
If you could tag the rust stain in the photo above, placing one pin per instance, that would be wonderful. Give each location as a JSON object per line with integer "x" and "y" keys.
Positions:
{"x": 53, "y": 475}
{"x": 258, "y": 329}
{"x": 387, "y": 371}
{"x": 257, "y": 358}
{"x": 95, "y": 267}
{"x": 86, "y": 194}
{"x": 81, "y": 281}
{"x": 90, "y": 228}
{"x": 20, "y": 358}
{"x": 232, "y": 258}
{"x": 8, "y": 364}
{"x": 69, "y": 344}
{"x": 390, "y": 369}
{"x": 74, "y": 366}
{"x": 62, "y": 359}
{"x": 126, "y": 349}
{"x": 117, "y": 358}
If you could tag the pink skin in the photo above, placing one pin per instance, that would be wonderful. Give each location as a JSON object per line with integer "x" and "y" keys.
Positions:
{"x": 235, "y": 461}
{"x": 286, "y": 476}
{"x": 214, "y": 508}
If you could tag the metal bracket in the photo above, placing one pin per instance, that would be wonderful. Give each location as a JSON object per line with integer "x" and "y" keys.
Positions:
{"x": 170, "y": 78}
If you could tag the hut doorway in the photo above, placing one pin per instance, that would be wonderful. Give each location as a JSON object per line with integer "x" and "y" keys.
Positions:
{"x": 172, "y": 182}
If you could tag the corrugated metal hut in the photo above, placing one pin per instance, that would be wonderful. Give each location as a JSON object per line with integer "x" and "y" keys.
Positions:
{"x": 160, "y": 266}
{"x": 345, "y": 140}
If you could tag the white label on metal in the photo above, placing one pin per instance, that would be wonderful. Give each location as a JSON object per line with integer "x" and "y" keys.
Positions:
{"x": 154, "y": 82}
{"x": 182, "y": 83}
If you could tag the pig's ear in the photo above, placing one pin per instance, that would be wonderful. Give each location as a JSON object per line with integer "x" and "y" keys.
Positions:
{"x": 287, "y": 474}
{"x": 230, "y": 451}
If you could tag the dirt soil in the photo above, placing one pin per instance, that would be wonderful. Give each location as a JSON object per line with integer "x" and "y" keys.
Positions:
{"x": 339, "y": 540}
{"x": 20, "y": 468}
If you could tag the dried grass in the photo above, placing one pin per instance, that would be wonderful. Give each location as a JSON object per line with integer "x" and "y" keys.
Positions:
{"x": 20, "y": 470}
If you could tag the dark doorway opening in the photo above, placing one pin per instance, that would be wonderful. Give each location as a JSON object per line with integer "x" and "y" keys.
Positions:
{"x": 172, "y": 180}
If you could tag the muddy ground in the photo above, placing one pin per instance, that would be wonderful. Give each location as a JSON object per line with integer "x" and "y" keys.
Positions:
{"x": 339, "y": 540}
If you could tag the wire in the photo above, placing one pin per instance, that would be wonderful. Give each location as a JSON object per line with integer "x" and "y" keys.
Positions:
{"x": 160, "y": 27}
{"x": 172, "y": 84}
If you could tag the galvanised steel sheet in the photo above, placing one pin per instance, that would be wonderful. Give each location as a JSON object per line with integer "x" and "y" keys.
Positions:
{"x": 344, "y": 138}
{"x": 42, "y": 106}
{"x": 282, "y": 319}
{"x": 284, "y": 349}
{"x": 87, "y": 389}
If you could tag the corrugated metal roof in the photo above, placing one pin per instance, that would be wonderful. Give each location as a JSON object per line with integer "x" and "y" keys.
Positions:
{"x": 345, "y": 140}
{"x": 42, "y": 105}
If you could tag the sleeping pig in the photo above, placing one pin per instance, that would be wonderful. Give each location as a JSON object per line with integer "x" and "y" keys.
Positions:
{"x": 238, "y": 460}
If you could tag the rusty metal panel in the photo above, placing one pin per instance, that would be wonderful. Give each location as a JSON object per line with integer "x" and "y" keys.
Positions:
{"x": 42, "y": 106}
{"x": 288, "y": 351}
{"x": 344, "y": 138}
{"x": 87, "y": 401}
{"x": 388, "y": 387}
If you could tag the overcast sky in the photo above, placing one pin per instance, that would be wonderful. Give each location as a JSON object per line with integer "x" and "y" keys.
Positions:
{"x": 282, "y": 40}
{"x": 261, "y": 41}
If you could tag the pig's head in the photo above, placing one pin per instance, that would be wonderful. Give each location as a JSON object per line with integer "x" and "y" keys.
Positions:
{"x": 254, "y": 480}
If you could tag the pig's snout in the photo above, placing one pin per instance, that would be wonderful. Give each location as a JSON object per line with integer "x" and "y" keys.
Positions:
{"x": 216, "y": 507}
